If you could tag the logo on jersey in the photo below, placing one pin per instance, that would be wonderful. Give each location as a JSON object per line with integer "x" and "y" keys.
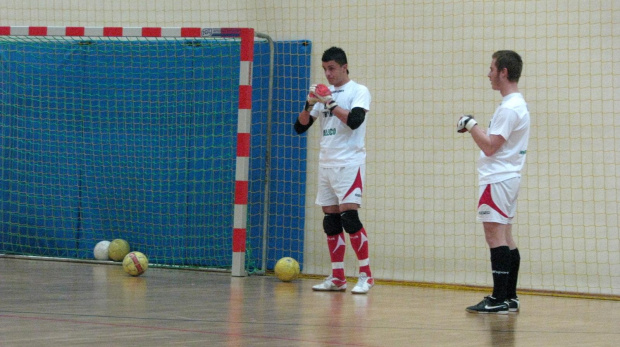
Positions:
{"x": 329, "y": 132}
{"x": 327, "y": 113}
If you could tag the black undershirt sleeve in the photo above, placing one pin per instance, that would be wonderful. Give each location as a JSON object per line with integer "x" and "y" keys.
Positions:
{"x": 300, "y": 128}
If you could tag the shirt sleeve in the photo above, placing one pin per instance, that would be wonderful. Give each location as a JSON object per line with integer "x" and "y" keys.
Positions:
{"x": 362, "y": 99}
{"x": 503, "y": 123}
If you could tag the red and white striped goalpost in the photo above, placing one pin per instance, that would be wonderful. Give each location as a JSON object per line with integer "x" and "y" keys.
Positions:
{"x": 246, "y": 35}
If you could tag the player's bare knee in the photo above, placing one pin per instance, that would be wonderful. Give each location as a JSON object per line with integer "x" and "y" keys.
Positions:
{"x": 351, "y": 221}
{"x": 332, "y": 224}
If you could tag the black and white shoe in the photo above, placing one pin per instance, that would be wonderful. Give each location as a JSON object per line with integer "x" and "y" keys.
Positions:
{"x": 489, "y": 305}
{"x": 513, "y": 305}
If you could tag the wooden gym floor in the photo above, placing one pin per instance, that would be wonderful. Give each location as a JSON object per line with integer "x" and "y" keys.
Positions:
{"x": 52, "y": 303}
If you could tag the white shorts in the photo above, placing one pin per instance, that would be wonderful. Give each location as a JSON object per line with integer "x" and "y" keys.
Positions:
{"x": 498, "y": 201}
{"x": 340, "y": 185}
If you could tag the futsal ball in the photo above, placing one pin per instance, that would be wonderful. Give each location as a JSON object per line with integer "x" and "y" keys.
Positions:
{"x": 118, "y": 249}
{"x": 287, "y": 269}
{"x": 101, "y": 250}
{"x": 135, "y": 263}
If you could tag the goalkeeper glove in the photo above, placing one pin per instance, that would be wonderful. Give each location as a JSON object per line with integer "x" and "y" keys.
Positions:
{"x": 324, "y": 95}
{"x": 311, "y": 99}
{"x": 465, "y": 123}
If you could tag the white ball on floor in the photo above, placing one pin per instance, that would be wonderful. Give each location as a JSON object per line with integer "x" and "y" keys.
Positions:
{"x": 101, "y": 250}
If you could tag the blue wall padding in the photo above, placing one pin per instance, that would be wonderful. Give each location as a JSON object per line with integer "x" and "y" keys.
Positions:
{"x": 74, "y": 175}
{"x": 287, "y": 194}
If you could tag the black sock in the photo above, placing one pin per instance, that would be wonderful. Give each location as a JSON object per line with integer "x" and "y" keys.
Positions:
{"x": 515, "y": 262}
{"x": 500, "y": 264}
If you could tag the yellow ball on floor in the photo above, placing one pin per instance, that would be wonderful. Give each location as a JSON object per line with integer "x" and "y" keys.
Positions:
{"x": 135, "y": 263}
{"x": 118, "y": 249}
{"x": 287, "y": 269}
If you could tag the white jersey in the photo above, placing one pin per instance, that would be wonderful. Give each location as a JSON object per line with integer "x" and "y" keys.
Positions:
{"x": 511, "y": 120}
{"x": 340, "y": 145}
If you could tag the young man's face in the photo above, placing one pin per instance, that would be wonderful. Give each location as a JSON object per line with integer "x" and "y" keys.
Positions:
{"x": 494, "y": 75}
{"x": 335, "y": 74}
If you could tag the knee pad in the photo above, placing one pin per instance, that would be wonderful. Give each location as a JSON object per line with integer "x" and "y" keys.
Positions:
{"x": 351, "y": 221}
{"x": 332, "y": 224}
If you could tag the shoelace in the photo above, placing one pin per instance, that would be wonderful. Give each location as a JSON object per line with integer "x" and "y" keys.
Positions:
{"x": 363, "y": 278}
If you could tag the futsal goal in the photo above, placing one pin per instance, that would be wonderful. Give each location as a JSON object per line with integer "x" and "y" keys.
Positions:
{"x": 141, "y": 133}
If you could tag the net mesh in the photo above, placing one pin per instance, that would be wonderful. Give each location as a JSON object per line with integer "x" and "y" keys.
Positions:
{"x": 119, "y": 138}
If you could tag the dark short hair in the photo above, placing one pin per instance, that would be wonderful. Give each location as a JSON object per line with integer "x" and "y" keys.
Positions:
{"x": 336, "y": 54}
{"x": 511, "y": 61}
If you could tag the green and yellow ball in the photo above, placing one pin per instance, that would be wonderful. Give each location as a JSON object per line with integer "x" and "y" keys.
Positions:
{"x": 118, "y": 249}
{"x": 287, "y": 269}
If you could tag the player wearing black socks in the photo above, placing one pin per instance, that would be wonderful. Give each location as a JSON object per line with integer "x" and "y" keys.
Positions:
{"x": 503, "y": 147}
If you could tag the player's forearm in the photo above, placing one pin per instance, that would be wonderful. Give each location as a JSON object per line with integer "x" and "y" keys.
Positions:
{"x": 487, "y": 144}
{"x": 303, "y": 123}
{"x": 304, "y": 117}
{"x": 480, "y": 138}
{"x": 341, "y": 113}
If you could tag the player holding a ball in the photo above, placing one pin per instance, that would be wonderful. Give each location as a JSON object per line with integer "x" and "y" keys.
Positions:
{"x": 341, "y": 110}
{"x": 503, "y": 147}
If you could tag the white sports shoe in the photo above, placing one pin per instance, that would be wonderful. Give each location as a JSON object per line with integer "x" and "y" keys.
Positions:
{"x": 331, "y": 284}
{"x": 364, "y": 283}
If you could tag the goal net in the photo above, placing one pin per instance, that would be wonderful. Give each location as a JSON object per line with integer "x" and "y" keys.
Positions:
{"x": 134, "y": 133}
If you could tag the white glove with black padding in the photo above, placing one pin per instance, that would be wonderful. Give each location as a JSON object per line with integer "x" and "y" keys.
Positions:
{"x": 324, "y": 95}
{"x": 311, "y": 99}
{"x": 465, "y": 123}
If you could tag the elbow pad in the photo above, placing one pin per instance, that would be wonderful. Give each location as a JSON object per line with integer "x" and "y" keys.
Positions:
{"x": 300, "y": 128}
{"x": 356, "y": 117}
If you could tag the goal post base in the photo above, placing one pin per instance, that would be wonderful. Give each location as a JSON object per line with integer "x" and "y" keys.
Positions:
{"x": 238, "y": 265}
